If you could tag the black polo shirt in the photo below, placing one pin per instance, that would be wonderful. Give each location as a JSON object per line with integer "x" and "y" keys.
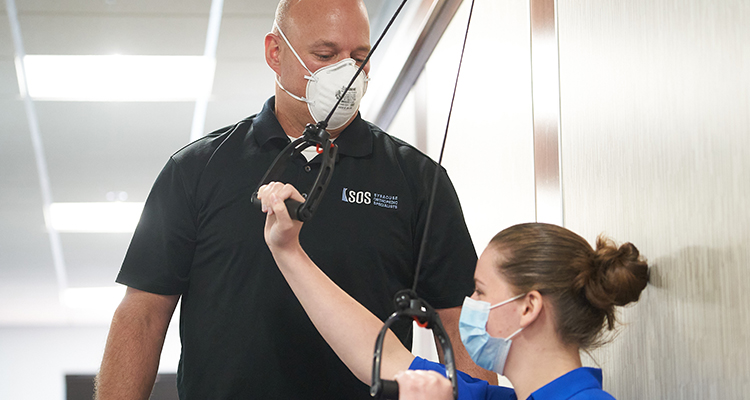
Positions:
{"x": 244, "y": 334}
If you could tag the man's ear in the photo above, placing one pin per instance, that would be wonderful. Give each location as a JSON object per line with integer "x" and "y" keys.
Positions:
{"x": 272, "y": 49}
{"x": 532, "y": 305}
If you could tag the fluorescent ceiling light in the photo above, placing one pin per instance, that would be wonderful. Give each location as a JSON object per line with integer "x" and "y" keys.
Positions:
{"x": 118, "y": 77}
{"x": 94, "y": 298}
{"x": 115, "y": 216}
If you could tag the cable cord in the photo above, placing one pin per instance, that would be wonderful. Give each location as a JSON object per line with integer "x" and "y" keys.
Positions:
{"x": 423, "y": 244}
{"x": 366, "y": 60}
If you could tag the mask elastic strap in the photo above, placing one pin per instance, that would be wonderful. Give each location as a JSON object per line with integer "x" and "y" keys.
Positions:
{"x": 292, "y": 48}
{"x": 514, "y": 334}
{"x": 508, "y": 301}
{"x": 302, "y": 99}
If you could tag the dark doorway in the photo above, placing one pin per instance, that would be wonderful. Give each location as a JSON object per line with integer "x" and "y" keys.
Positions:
{"x": 81, "y": 387}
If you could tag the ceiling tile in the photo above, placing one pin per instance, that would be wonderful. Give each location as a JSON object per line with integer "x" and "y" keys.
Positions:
{"x": 242, "y": 38}
{"x": 114, "y": 34}
{"x": 93, "y": 148}
{"x": 7, "y": 50}
{"x": 8, "y": 80}
{"x": 99, "y": 7}
{"x": 244, "y": 7}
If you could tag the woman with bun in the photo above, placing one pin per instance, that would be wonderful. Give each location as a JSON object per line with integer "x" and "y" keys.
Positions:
{"x": 542, "y": 295}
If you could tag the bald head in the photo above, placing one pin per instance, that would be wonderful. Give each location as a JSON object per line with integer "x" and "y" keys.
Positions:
{"x": 282, "y": 13}
{"x": 292, "y": 12}
{"x": 316, "y": 33}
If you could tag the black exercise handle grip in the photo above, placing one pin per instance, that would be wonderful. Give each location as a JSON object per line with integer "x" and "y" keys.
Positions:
{"x": 410, "y": 306}
{"x": 292, "y": 206}
{"x": 390, "y": 390}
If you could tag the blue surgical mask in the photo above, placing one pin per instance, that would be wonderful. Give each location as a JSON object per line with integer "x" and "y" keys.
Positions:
{"x": 487, "y": 352}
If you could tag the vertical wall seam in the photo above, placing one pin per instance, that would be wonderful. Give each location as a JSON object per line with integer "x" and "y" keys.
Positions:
{"x": 545, "y": 99}
{"x": 559, "y": 120}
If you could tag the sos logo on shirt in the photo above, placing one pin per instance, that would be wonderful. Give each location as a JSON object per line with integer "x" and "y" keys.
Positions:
{"x": 357, "y": 197}
{"x": 369, "y": 198}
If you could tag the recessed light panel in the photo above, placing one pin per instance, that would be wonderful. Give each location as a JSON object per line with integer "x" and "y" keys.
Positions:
{"x": 114, "y": 216}
{"x": 118, "y": 77}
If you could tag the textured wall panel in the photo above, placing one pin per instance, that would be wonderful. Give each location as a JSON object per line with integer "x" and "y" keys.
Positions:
{"x": 655, "y": 100}
{"x": 490, "y": 150}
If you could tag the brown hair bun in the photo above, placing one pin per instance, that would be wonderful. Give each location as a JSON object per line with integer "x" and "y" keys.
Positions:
{"x": 617, "y": 277}
{"x": 583, "y": 285}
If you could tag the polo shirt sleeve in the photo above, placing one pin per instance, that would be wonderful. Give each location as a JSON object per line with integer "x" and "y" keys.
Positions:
{"x": 161, "y": 251}
{"x": 469, "y": 388}
{"x": 447, "y": 272}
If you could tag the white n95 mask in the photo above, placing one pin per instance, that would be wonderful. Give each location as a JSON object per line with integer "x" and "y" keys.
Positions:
{"x": 486, "y": 351}
{"x": 326, "y": 85}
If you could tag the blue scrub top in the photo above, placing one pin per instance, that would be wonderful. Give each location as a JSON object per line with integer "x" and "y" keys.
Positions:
{"x": 579, "y": 384}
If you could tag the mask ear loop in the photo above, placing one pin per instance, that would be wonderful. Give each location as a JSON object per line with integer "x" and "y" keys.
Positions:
{"x": 283, "y": 36}
{"x": 308, "y": 77}
{"x": 502, "y": 303}
{"x": 294, "y": 96}
{"x": 514, "y": 334}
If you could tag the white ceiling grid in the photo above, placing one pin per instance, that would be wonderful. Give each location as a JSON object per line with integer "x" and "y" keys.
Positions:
{"x": 92, "y": 148}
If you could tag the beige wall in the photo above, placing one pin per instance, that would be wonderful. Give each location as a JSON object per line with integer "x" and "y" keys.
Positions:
{"x": 489, "y": 153}
{"x": 655, "y": 146}
{"x": 655, "y": 99}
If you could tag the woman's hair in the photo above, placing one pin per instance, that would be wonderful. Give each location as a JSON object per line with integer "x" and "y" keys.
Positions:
{"x": 584, "y": 285}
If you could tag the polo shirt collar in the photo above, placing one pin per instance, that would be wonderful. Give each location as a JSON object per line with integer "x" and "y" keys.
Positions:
{"x": 569, "y": 384}
{"x": 354, "y": 141}
{"x": 265, "y": 125}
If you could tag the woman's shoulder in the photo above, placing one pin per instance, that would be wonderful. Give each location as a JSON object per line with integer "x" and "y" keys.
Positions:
{"x": 592, "y": 394}
{"x": 579, "y": 384}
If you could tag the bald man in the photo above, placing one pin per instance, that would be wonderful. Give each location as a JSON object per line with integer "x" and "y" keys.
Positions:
{"x": 243, "y": 333}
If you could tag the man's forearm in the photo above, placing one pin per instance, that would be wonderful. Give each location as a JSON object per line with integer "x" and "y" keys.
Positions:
{"x": 464, "y": 363}
{"x": 131, "y": 355}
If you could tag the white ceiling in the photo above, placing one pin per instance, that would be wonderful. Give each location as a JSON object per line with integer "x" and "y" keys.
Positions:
{"x": 93, "y": 148}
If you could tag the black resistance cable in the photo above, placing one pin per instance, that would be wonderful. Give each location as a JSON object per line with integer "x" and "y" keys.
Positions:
{"x": 408, "y": 304}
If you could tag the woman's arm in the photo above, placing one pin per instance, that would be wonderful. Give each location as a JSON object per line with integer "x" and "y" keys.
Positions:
{"x": 348, "y": 327}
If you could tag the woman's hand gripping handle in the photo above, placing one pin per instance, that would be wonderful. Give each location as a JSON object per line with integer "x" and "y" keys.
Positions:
{"x": 280, "y": 232}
